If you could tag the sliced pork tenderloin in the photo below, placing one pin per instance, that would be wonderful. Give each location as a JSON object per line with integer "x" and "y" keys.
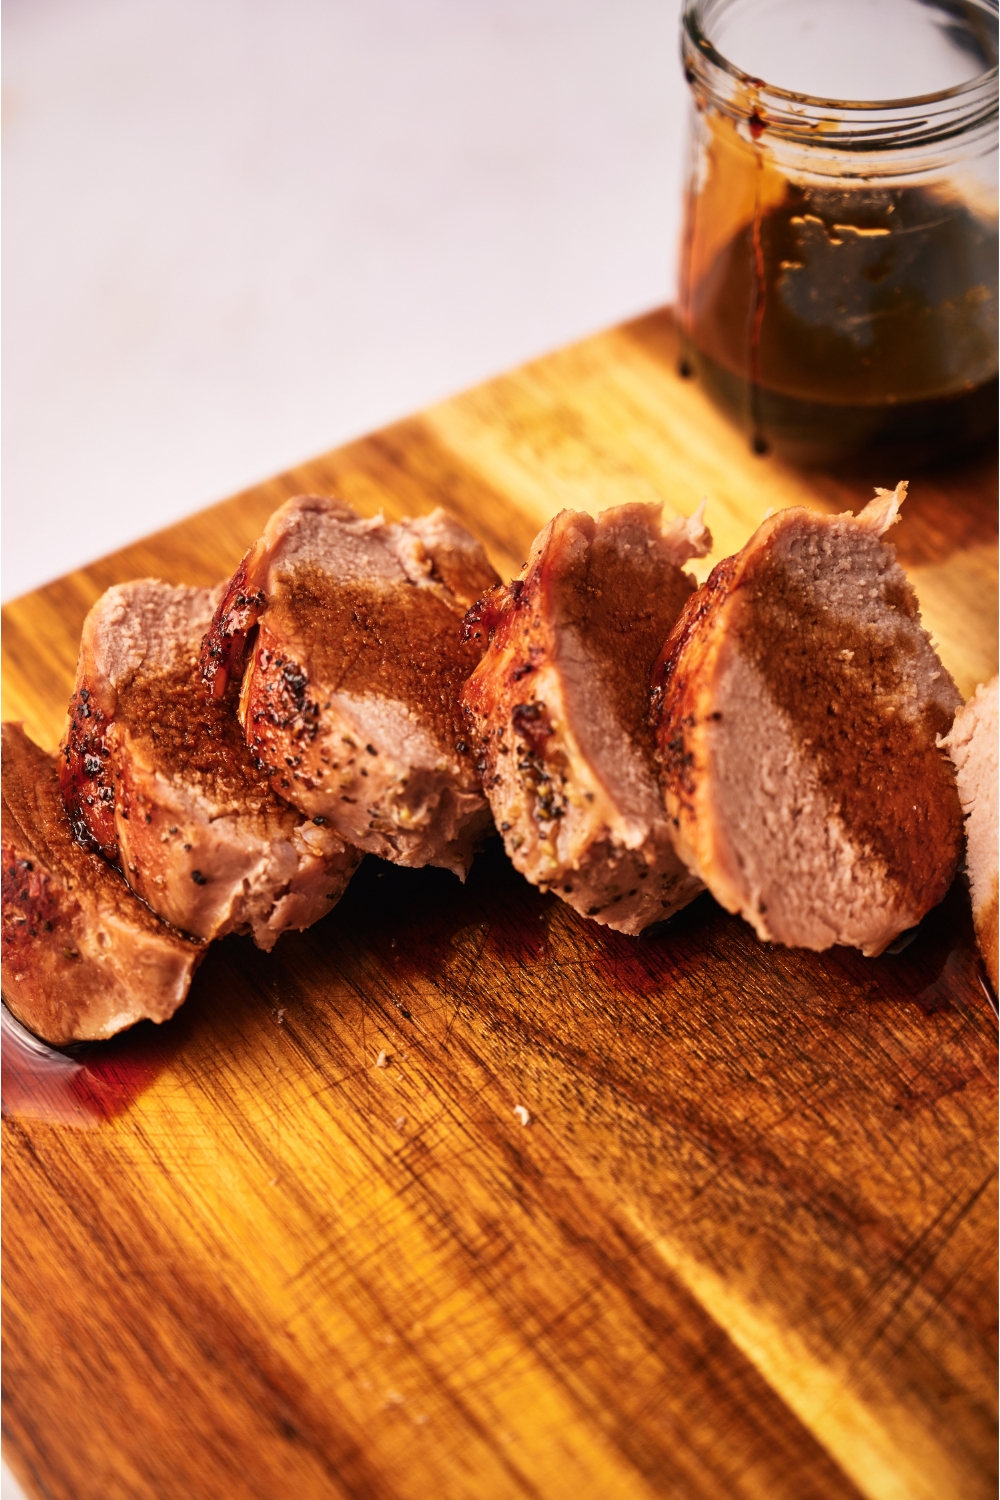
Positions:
{"x": 559, "y": 710}
{"x": 346, "y": 633}
{"x": 972, "y": 745}
{"x": 82, "y": 957}
{"x": 157, "y": 776}
{"x": 797, "y": 705}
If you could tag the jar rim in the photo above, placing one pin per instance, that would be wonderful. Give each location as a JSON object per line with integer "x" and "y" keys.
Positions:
{"x": 917, "y": 119}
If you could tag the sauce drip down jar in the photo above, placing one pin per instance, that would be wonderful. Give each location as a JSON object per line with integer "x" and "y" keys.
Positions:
{"x": 838, "y": 278}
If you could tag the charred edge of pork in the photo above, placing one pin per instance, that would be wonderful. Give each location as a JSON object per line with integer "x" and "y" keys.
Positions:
{"x": 488, "y": 612}
{"x": 532, "y": 733}
{"x": 29, "y": 907}
{"x": 669, "y": 697}
{"x": 86, "y": 778}
{"x": 283, "y": 704}
{"x": 223, "y": 651}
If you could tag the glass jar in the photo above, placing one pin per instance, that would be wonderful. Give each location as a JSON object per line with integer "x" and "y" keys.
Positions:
{"x": 838, "y": 292}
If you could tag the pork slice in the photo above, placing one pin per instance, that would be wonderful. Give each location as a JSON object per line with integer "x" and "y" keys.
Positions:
{"x": 797, "y": 706}
{"x": 972, "y": 745}
{"x": 82, "y": 957}
{"x": 347, "y": 634}
{"x": 157, "y": 776}
{"x": 559, "y": 711}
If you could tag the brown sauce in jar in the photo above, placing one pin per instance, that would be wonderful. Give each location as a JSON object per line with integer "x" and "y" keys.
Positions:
{"x": 836, "y": 319}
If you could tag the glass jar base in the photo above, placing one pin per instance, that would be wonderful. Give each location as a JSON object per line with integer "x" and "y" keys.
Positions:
{"x": 811, "y": 434}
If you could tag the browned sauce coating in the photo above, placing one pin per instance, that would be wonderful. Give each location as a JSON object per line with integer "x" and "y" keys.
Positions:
{"x": 869, "y": 758}
{"x": 195, "y": 736}
{"x": 624, "y": 632}
{"x": 401, "y": 643}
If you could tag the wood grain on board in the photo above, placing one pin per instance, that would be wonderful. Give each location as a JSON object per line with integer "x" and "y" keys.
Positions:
{"x": 746, "y": 1246}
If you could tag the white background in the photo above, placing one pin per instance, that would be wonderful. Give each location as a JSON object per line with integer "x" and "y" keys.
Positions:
{"x": 238, "y": 232}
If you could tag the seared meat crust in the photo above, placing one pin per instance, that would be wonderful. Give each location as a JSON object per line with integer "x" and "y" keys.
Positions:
{"x": 347, "y": 635}
{"x": 559, "y": 706}
{"x": 157, "y": 776}
{"x": 797, "y": 704}
{"x": 82, "y": 956}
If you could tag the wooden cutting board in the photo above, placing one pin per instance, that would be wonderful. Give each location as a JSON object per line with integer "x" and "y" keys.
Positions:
{"x": 746, "y": 1245}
